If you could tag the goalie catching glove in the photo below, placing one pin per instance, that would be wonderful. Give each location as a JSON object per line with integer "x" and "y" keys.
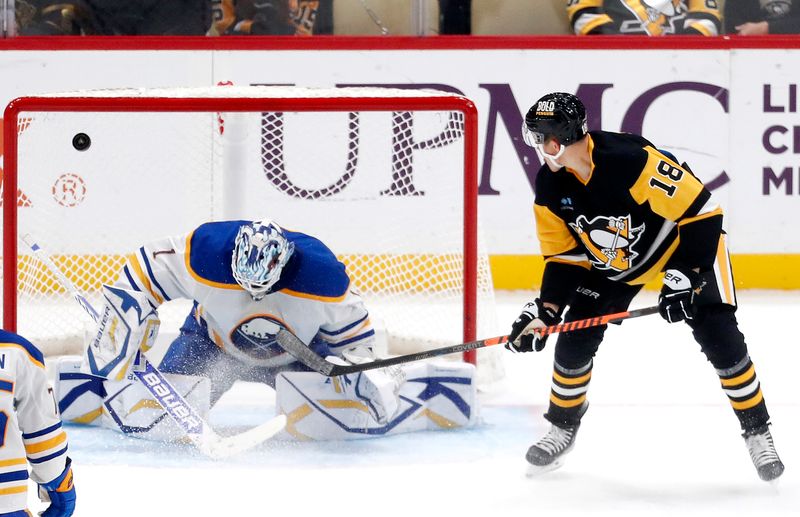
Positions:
{"x": 676, "y": 301}
{"x": 522, "y": 337}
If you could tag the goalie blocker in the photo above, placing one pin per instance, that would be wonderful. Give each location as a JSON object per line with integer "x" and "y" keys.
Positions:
{"x": 127, "y": 325}
{"x": 433, "y": 395}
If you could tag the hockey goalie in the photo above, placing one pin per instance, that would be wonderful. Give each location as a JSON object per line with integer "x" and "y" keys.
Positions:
{"x": 248, "y": 280}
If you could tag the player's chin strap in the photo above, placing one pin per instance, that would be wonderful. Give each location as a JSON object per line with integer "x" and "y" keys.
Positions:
{"x": 184, "y": 415}
{"x": 294, "y": 346}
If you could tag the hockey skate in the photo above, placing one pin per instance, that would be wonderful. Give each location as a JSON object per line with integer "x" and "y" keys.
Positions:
{"x": 548, "y": 453}
{"x": 762, "y": 452}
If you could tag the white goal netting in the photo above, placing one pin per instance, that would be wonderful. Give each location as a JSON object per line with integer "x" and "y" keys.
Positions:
{"x": 379, "y": 175}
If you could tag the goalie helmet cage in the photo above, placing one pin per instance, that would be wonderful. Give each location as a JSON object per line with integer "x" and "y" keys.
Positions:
{"x": 95, "y": 174}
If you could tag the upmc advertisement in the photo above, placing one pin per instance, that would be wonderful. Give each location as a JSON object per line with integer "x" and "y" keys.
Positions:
{"x": 730, "y": 113}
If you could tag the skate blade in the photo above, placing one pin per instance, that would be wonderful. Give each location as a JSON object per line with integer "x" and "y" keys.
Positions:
{"x": 537, "y": 470}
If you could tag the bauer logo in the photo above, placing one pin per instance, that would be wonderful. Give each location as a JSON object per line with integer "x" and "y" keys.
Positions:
{"x": 171, "y": 402}
{"x": 69, "y": 190}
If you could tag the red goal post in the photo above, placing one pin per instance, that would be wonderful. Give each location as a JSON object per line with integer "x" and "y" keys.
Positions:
{"x": 33, "y": 159}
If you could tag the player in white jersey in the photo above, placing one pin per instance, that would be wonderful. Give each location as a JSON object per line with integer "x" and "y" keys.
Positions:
{"x": 248, "y": 280}
{"x": 30, "y": 433}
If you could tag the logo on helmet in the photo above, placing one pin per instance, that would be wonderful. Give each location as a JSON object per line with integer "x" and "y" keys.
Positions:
{"x": 545, "y": 107}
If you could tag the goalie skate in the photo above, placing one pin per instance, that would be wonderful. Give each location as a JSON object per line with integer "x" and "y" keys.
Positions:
{"x": 762, "y": 451}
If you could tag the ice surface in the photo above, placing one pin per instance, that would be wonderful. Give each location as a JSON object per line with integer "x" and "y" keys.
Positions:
{"x": 659, "y": 439}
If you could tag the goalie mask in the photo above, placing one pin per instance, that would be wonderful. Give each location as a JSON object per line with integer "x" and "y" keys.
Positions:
{"x": 259, "y": 254}
{"x": 559, "y": 116}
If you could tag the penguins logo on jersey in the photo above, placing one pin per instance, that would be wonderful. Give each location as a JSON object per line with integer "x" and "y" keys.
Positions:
{"x": 609, "y": 240}
{"x": 256, "y": 338}
{"x": 656, "y": 8}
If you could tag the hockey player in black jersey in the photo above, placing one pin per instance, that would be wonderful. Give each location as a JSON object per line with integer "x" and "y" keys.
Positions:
{"x": 613, "y": 212}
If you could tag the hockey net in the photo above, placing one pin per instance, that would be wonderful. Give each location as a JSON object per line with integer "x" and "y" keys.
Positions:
{"x": 387, "y": 178}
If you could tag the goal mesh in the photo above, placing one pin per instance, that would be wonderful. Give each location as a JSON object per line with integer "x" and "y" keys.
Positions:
{"x": 377, "y": 174}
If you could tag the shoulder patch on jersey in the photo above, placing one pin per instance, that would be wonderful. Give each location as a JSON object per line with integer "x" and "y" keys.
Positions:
{"x": 313, "y": 271}
{"x": 11, "y": 340}
{"x": 209, "y": 251}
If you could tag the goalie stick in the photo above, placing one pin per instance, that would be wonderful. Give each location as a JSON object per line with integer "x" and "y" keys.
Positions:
{"x": 294, "y": 346}
{"x": 188, "y": 420}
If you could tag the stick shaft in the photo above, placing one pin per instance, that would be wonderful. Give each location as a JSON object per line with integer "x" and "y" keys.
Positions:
{"x": 308, "y": 357}
{"x": 597, "y": 321}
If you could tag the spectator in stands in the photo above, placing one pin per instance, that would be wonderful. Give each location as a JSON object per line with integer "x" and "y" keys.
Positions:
{"x": 272, "y": 17}
{"x": 754, "y": 17}
{"x": 173, "y": 18}
{"x": 112, "y": 17}
{"x": 455, "y": 16}
{"x": 53, "y": 18}
{"x": 650, "y": 17}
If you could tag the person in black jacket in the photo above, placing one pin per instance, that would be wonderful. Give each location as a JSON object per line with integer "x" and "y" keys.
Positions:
{"x": 755, "y": 17}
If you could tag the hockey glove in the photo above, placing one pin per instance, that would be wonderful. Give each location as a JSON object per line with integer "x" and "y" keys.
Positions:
{"x": 676, "y": 301}
{"x": 522, "y": 337}
{"x": 61, "y": 494}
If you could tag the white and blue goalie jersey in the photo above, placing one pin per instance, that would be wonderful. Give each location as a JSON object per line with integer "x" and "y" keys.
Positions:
{"x": 30, "y": 426}
{"x": 312, "y": 298}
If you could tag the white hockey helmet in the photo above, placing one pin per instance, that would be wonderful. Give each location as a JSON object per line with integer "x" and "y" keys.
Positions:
{"x": 260, "y": 252}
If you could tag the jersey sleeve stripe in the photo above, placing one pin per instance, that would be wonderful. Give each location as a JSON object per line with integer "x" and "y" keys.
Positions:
{"x": 699, "y": 205}
{"x": 150, "y": 274}
{"x": 13, "y": 461}
{"x": 16, "y": 475}
{"x": 586, "y": 23}
{"x": 343, "y": 329}
{"x": 49, "y": 457}
{"x": 48, "y": 430}
{"x": 352, "y": 340}
{"x": 320, "y": 298}
{"x": 580, "y": 5}
{"x": 45, "y": 445}
{"x": 704, "y": 27}
{"x": 129, "y": 277}
{"x": 7, "y": 386}
{"x": 704, "y": 215}
{"x": 143, "y": 280}
{"x": 14, "y": 490}
{"x": 573, "y": 260}
{"x": 33, "y": 354}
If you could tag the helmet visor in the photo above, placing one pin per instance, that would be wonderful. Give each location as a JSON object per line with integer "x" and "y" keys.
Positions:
{"x": 532, "y": 138}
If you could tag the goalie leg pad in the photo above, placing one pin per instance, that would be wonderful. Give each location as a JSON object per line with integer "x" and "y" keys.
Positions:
{"x": 127, "y": 405}
{"x": 434, "y": 395}
{"x": 79, "y": 395}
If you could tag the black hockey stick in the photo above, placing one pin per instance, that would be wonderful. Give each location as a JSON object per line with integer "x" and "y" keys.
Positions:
{"x": 308, "y": 357}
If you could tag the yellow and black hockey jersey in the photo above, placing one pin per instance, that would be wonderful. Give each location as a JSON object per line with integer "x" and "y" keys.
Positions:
{"x": 30, "y": 426}
{"x": 647, "y": 17}
{"x": 271, "y": 17}
{"x": 638, "y": 211}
